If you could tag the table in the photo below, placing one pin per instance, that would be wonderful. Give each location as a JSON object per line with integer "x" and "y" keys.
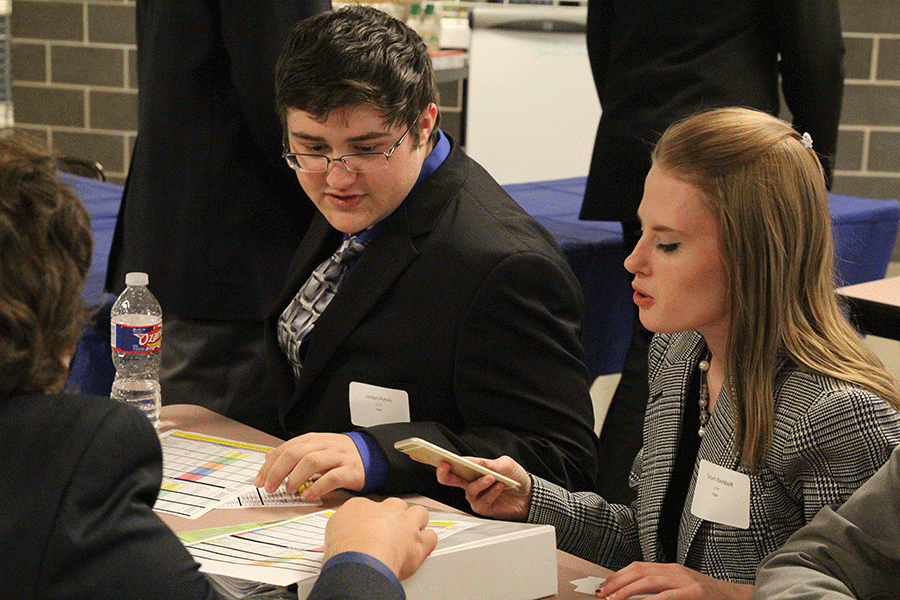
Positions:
{"x": 201, "y": 420}
{"x": 875, "y": 306}
{"x": 865, "y": 231}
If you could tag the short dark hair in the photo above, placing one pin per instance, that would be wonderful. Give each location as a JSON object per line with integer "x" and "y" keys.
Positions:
{"x": 45, "y": 254}
{"x": 353, "y": 56}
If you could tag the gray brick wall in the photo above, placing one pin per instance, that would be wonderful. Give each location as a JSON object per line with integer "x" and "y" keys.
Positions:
{"x": 73, "y": 77}
{"x": 868, "y": 160}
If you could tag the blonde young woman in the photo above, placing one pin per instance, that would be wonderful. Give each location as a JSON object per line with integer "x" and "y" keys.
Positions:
{"x": 764, "y": 404}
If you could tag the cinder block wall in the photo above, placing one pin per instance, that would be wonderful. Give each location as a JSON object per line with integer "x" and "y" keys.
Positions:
{"x": 75, "y": 84}
{"x": 75, "y": 77}
{"x": 868, "y": 159}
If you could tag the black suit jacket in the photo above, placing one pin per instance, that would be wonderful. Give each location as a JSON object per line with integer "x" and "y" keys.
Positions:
{"x": 654, "y": 62}
{"x": 210, "y": 210}
{"x": 354, "y": 581}
{"x": 77, "y": 485}
{"x": 465, "y": 302}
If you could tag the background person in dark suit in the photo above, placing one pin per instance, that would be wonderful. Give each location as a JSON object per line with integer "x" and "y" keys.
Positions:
{"x": 655, "y": 62}
{"x": 80, "y": 474}
{"x": 765, "y": 403}
{"x": 460, "y": 320}
{"x": 210, "y": 211}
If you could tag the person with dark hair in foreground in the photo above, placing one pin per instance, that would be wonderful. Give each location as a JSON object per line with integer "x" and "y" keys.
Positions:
{"x": 80, "y": 474}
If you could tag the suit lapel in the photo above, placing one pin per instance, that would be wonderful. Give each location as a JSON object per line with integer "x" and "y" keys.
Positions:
{"x": 716, "y": 447}
{"x": 378, "y": 268}
{"x": 320, "y": 242}
{"x": 667, "y": 397}
{"x": 371, "y": 277}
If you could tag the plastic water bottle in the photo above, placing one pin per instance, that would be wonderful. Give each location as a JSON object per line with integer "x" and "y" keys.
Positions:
{"x": 136, "y": 339}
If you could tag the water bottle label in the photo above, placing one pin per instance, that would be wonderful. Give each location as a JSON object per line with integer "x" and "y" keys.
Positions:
{"x": 136, "y": 340}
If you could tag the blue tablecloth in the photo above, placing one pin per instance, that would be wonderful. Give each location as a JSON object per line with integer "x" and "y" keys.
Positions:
{"x": 102, "y": 199}
{"x": 91, "y": 370}
{"x": 864, "y": 229}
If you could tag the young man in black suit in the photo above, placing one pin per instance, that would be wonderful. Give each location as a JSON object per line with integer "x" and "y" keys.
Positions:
{"x": 459, "y": 321}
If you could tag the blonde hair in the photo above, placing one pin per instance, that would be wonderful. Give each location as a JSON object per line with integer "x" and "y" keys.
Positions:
{"x": 767, "y": 192}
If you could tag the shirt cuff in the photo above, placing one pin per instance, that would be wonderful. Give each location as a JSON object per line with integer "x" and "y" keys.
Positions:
{"x": 375, "y": 463}
{"x": 365, "y": 559}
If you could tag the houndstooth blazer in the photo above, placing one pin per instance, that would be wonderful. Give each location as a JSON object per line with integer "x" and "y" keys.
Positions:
{"x": 829, "y": 438}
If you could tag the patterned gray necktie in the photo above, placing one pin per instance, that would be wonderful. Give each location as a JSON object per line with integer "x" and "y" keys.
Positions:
{"x": 298, "y": 319}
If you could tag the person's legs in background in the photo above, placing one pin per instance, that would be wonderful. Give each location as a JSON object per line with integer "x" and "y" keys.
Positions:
{"x": 622, "y": 433}
{"x": 614, "y": 189}
{"x": 218, "y": 365}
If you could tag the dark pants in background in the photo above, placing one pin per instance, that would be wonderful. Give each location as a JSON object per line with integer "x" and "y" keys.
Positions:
{"x": 622, "y": 433}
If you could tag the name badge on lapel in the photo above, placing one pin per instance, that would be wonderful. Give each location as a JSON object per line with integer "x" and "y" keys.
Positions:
{"x": 373, "y": 405}
{"x": 722, "y": 496}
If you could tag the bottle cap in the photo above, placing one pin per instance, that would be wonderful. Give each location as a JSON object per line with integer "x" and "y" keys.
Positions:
{"x": 429, "y": 9}
{"x": 415, "y": 9}
{"x": 136, "y": 279}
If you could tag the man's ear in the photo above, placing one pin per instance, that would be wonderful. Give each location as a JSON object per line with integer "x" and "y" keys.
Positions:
{"x": 427, "y": 120}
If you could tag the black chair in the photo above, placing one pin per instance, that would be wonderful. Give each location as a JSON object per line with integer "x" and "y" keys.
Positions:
{"x": 81, "y": 166}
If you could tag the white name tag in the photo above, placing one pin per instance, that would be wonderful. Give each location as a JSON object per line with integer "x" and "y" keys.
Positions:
{"x": 372, "y": 405}
{"x": 722, "y": 496}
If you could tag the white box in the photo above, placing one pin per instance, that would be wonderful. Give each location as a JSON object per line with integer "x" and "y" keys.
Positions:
{"x": 498, "y": 560}
{"x": 495, "y": 560}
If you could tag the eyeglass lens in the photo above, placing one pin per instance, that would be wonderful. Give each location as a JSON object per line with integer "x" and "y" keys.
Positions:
{"x": 357, "y": 163}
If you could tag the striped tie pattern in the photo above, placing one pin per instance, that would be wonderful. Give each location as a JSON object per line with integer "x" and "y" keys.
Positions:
{"x": 298, "y": 319}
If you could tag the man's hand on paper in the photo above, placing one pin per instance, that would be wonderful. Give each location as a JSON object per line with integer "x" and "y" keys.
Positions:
{"x": 640, "y": 579}
{"x": 489, "y": 497}
{"x": 395, "y": 533}
{"x": 332, "y": 456}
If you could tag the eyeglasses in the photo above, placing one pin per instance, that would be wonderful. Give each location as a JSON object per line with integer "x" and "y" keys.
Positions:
{"x": 364, "y": 162}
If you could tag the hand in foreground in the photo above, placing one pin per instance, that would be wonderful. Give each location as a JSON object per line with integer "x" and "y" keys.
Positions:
{"x": 333, "y": 456}
{"x": 681, "y": 582}
{"x": 489, "y": 497}
{"x": 391, "y": 531}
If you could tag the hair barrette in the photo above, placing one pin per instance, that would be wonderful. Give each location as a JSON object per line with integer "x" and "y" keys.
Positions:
{"x": 806, "y": 140}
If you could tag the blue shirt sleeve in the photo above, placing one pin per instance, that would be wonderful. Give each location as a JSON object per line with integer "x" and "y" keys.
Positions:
{"x": 359, "y": 557}
{"x": 375, "y": 462}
